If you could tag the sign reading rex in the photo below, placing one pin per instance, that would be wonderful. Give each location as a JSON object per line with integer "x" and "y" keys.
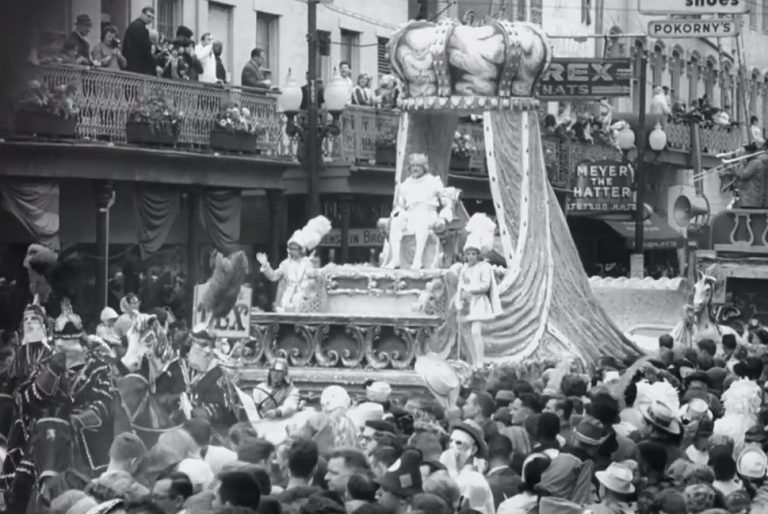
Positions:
{"x": 693, "y": 28}
{"x": 693, "y": 7}
{"x": 585, "y": 78}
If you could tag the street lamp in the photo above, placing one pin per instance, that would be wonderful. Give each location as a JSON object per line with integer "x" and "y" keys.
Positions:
{"x": 626, "y": 139}
{"x": 657, "y": 139}
{"x": 312, "y": 129}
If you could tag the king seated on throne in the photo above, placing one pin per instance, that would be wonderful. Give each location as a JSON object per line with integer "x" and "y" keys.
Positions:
{"x": 423, "y": 207}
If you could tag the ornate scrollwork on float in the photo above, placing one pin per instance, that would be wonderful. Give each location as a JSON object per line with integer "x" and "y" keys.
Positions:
{"x": 325, "y": 357}
{"x": 358, "y": 334}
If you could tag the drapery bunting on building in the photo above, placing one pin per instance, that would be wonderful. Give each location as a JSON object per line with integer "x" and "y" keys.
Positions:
{"x": 35, "y": 203}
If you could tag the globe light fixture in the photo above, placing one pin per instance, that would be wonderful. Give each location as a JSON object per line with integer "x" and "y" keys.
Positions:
{"x": 657, "y": 139}
{"x": 289, "y": 100}
{"x": 626, "y": 139}
{"x": 336, "y": 93}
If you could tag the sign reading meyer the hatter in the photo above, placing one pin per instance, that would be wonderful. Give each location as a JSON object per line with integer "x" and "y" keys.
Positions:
{"x": 603, "y": 186}
{"x": 692, "y": 7}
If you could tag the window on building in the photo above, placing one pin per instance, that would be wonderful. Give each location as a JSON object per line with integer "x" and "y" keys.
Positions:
{"x": 657, "y": 64}
{"x": 521, "y": 12}
{"x": 710, "y": 74}
{"x": 350, "y": 49}
{"x": 323, "y": 61}
{"x": 537, "y": 12}
{"x": 765, "y": 15}
{"x": 267, "y": 33}
{"x": 384, "y": 64}
{"x": 56, "y": 18}
{"x": 694, "y": 74}
{"x": 675, "y": 71}
{"x": 168, "y": 17}
{"x": 764, "y": 114}
{"x": 116, "y": 13}
{"x": 726, "y": 86}
{"x": 220, "y": 26}
{"x": 753, "y": 14}
{"x": 754, "y": 93}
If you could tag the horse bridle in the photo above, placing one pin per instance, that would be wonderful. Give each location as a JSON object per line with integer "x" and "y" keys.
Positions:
{"x": 141, "y": 408}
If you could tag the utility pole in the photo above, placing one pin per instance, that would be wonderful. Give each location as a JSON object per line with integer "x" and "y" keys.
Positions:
{"x": 312, "y": 159}
{"x": 640, "y": 141}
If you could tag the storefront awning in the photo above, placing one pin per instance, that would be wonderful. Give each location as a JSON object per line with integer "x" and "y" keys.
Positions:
{"x": 657, "y": 234}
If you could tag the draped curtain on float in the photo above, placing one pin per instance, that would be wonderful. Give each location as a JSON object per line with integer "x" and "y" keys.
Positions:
{"x": 220, "y": 215}
{"x": 156, "y": 208}
{"x": 35, "y": 203}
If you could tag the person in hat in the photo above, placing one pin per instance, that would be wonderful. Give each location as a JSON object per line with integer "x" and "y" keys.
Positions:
{"x": 665, "y": 428}
{"x": 477, "y": 299}
{"x": 35, "y": 346}
{"x": 698, "y": 451}
{"x": 615, "y": 487}
{"x": 130, "y": 306}
{"x": 77, "y": 47}
{"x": 88, "y": 396}
{"x": 465, "y": 459}
{"x": 295, "y": 270}
{"x": 106, "y": 329}
{"x": 400, "y": 483}
{"x": 697, "y": 385}
{"x": 278, "y": 397}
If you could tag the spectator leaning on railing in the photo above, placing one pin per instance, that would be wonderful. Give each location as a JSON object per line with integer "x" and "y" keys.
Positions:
{"x": 137, "y": 47}
{"x": 252, "y": 75}
{"x": 76, "y": 46}
{"x": 107, "y": 53}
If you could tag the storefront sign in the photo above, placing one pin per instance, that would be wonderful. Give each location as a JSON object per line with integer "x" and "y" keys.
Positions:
{"x": 236, "y": 324}
{"x": 692, "y": 7}
{"x": 693, "y": 28}
{"x": 357, "y": 237}
{"x": 603, "y": 187}
{"x": 577, "y": 78}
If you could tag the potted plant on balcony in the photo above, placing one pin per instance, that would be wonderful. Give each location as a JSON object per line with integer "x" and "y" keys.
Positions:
{"x": 386, "y": 149}
{"x": 236, "y": 130}
{"x": 461, "y": 151}
{"x": 153, "y": 120}
{"x": 47, "y": 110}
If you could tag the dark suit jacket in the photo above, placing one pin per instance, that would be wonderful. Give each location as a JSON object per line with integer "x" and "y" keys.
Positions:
{"x": 505, "y": 483}
{"x": 137, "y": 49}
{"x": 252, "y": 76}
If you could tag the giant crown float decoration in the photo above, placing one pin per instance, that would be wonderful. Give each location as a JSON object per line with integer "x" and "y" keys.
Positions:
{"x": 454, "y": 66}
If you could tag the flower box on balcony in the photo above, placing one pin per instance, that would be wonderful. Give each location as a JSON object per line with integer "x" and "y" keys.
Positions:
{"x": 242, "y": 142}
{"x": 458, "y": 163}
{"x": 142, "y": 134}
{"x": 42, "y": 123}
{"x": 386, "y": 155}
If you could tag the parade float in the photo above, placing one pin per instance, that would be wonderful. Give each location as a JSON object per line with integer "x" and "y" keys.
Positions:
{"x": 339, "y": 322}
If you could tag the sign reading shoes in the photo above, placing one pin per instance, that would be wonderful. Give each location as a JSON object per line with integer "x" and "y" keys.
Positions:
{"x": 693, "y": 28}
{"x": 693, "y": 7}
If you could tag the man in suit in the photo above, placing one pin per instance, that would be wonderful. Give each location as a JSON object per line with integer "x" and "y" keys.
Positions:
{"x": 252, "y": 75}
{"x": 504, "y": 481}
{"x": 137, "y": 47}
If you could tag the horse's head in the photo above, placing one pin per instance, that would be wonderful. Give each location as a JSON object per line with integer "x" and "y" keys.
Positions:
{"x": 702, "y": 292}
{"x": 50, "y": 444}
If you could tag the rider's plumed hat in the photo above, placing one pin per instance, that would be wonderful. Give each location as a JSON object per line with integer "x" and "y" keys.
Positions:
{"x": 200, "y": 333}
{"x": 311, "y": 234}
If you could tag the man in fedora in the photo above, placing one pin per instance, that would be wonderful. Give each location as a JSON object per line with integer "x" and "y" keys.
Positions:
{"x": 697, "y": 385}
{"x": 665, "y": 429}
{"x": 76, "y": 45}
{"x": 465, "y": 461}
{"x": 615, "y": 486}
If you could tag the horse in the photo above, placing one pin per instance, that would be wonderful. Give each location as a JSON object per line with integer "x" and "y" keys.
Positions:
{"x": 699, "y": 322}
{"x": 53, "y": 450}
{"x": 138, "y": 411}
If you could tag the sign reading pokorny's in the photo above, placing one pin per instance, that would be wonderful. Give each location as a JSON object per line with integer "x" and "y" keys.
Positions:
{"x": 721, "y": 27}
{"x": 585, "y": 78}
{"x": 603, "y": 186}
{"x": 692, "y": 7}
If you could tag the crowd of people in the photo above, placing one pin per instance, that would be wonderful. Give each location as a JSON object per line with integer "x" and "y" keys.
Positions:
{"x": 146, "y": 51}
{"x": 138, "y": 419}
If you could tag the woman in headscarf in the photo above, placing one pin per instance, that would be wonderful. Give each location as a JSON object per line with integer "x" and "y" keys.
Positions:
{"x": 332, "y": 427}
{"x": 129, "y": 306}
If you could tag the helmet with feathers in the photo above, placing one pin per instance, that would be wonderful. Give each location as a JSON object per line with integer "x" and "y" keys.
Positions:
{"x": 53, "y": 273}
{"x": 308, "y": 237}
{"x": 480, "y": 233}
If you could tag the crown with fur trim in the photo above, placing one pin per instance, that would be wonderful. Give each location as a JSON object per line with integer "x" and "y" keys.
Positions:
{"x": 481, "y": 231}
{"x": 311, "y": 234}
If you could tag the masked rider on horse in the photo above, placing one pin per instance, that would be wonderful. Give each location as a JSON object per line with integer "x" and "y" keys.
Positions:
{"x": 198, "y": 383}
{"x": 73, "y": 384}
{"x": 277, "y": 397}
